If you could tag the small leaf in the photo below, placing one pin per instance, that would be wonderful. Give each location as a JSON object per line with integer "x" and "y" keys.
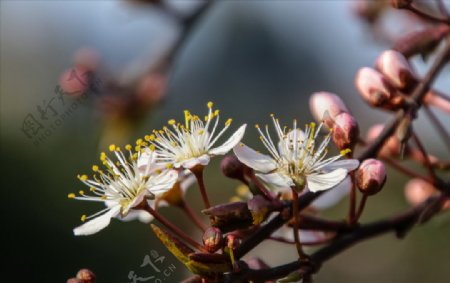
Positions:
{"x": 197, "y": 263}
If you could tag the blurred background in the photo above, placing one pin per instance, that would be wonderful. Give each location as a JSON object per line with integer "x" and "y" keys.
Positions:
{"x": 251, "y": 58}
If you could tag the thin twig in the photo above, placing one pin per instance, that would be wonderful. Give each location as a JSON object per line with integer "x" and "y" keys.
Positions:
{"x": 427, "y": 162}
{"x": 438, "y": 125}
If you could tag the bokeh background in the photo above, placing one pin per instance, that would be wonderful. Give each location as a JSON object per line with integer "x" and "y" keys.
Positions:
{"x": 251, "y": 58}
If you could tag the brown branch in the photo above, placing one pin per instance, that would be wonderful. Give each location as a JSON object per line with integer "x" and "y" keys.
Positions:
{"x": 400, "y": 224}
{"x": 306, "y": 199}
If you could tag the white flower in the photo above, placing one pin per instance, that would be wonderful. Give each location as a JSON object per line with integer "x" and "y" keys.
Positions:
{"x": 193, "y": 143}
{"x": 296, "y": 161}
{"x": 121, "y": 187}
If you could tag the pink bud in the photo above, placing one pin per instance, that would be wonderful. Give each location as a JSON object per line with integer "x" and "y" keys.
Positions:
{"x": 151, "y": 89}
{"x": 394, "y": 66}
{"x": 213, "y": 239}
{"x": 418, "y": 190}
{"x": 87, "y": 58}
{"x": 391, "y": 147}
{"x": 325, "y": 106}
{"x": 86, "y": 275}
{"x": 74, "y": 81}
{"x": 375, "y": 89}
{"x": 371, "y": 176}
{"x": 345, "y": 131}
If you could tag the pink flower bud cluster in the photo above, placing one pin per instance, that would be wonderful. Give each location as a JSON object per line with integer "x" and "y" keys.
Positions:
{"x": 387, "y": 85}
{"x": 331, "y": 110}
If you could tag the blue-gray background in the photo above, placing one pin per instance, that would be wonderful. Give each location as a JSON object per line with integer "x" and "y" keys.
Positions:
{"x": 251, "y": 58}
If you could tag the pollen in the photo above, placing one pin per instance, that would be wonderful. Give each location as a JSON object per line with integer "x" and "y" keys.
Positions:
{"x": 216, "y": 113}
{"x": 139, "y": 141}
{"x": 345, "y": 151}
{"x": 128, "y": 147}
{"x": 228, "y": 122}
{"x": 94, "y": 168}
{"x": 257, "y": 126}
{"x": 71, "y": 195}
{"x": 169, "y": 165}
{"x": 81, "y": 192}
{"x": 112, "y": 147}
{"x": 83, "y": 177}
{"x": 83, "y": 217}
{"x": 210, "y": 104}
{"x": 172, "y": 122}
{"x": 152, "y": 147}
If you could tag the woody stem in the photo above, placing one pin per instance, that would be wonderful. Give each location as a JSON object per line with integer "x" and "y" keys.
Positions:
{"x": 172, "y": 227}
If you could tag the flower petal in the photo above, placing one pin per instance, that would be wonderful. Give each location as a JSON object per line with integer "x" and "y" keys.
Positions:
{"x": 230, "y": 143}
{"x": 349, "y": 164}
{"x": 141, "y": 215}
{"x": 259, "y": 162}
{"x": 163, "y": 182}
{"x": 201, "y": 160}
{"x": 97, "y": 224}
{"x": 320, "y": 182}
{"x": 276, "y": 181}
{"x": 333, "y": 196}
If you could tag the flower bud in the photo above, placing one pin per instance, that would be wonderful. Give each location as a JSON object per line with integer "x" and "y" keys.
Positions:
{"x": 391, "y": 148}
{"x": 86, "y": 275}
{"x": 421, "y": 42}
{"x": 87, "y": 58}
{"x": 375, "y": 89}
{"x": 233, "y": 241}
{"x": 74, "y": 81}
{"x": 418, "y": 190}
{"x": 212, "y": 239}
{"x": 401, "y": 4}
{"x": 345, "y": 131}
{"x": 325, "y": 106}
{"x": 151, "y": 89}
{"x": 394, "y": 66}
{"x": 371, "y": 176}
{"x": 232, "y": 168}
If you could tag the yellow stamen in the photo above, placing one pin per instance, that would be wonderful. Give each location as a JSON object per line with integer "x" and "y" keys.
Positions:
{"x": 112, "y": 147}
{"x": 210, "y": 104}
{"x": 83, "y": 217}
{"x": 71, "y": 195}
{"x": 83, "y": 177}
{"x": 172, "y": 122}
{"x": 81, "y": 192}
{"x": 94, "y": 168}
{"x": 228, "y": 122}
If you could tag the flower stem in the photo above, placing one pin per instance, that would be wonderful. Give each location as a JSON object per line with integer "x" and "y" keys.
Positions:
{"x": 361, "y": 206}
{"x": 352, "y": 207}
{"x": 172, "y": 227}
{"x": 295, "y": 213}
{"x": 191, "y": 214}
{"x": 198, "y": 173}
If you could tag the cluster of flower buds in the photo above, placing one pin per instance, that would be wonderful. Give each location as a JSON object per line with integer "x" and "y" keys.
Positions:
{"x": 330, "y": 109}
{"x": 83, "y": 276}
{"x": 384, "y": 87}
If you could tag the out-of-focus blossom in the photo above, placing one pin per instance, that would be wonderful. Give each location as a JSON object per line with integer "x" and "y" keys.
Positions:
{"x": 391, "y": 148}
